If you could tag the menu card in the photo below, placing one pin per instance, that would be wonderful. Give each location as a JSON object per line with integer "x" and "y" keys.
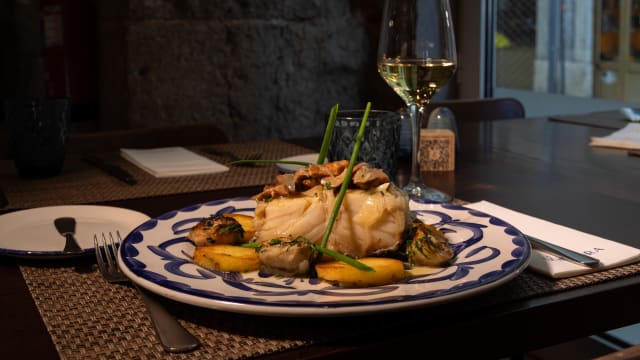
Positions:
{"x": 626, "y": 138}
{"x": 171, "y": 161}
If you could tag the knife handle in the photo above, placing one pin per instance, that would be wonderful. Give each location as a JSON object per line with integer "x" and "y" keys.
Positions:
{"x": 173, "y": 337}
{"x": 71, "y": 245}
{"x": 110, "y": 169}
{"x": 564, "y": 252}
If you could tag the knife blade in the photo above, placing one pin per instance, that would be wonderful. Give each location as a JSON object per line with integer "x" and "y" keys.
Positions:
{"x": 66, "y": 226}
{"x": 564, "y": 253}
{"x": 111, "y": 169}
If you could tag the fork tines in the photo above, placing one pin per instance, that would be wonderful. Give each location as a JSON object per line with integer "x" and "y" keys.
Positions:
{"x": 106, "y": 251}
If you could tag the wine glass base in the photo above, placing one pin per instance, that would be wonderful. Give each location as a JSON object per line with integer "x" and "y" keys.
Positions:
{"x": 423, "y": 192}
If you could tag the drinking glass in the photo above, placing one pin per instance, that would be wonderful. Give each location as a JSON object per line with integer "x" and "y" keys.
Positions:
{"x": 380, "y": 143}
{"x": 417, "y": 57}
{"x": 37, "y": 134}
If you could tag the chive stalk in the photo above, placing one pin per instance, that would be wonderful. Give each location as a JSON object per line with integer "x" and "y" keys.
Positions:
{"x": 290, "y": 162}
{"x": 328, "y": 132}
{"x": 345, "y": 185}
{"x": 334, "y": 254}
{"x": 322, "y": 249}
{"x": 344, "y": 258}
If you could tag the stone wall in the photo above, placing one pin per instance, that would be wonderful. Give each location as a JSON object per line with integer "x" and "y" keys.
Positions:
{"x": 258, "y": 69}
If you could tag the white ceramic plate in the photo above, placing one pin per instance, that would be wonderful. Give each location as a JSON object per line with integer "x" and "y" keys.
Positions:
{"x": 158, "y": 256}
{"x": 31, "y": 233}
{"x": 309, "y": 158}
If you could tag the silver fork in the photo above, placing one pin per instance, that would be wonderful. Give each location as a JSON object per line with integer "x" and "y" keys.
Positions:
{"x": 172, "y": 335}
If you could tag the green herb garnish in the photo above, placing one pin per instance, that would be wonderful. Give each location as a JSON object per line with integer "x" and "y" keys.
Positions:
{"x": 238, "y": 162}
{"x": 344, "y": 258}
{"x": 252, "y": 245}
{"x": 231, "y": 228}
{"x": 322, "y": 249}
{"x": 298, "y": 241}
{"x": 328, "y": 132}
{"x": 343, "y": 191}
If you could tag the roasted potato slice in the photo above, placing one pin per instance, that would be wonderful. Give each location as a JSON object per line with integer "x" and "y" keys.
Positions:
{"x": 227, "y": 258}
{"x": 387, "y": 271}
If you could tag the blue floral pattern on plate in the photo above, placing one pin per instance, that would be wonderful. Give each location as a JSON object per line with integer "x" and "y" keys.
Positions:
{"x": 157, "y": 256}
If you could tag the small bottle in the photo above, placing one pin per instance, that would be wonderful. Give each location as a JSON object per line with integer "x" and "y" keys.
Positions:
{"x": 443, "y": 118}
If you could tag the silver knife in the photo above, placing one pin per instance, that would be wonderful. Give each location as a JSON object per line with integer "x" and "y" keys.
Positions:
{"x": 66, "y": 226}
{"x": 173, "y": 336}
{"x": 111, "y": 169}
{"x": 564, "y": 253}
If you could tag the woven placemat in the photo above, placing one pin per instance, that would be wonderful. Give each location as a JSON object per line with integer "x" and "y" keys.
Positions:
{"x": 90, "y": 318}
{"x": 81, "y": 183}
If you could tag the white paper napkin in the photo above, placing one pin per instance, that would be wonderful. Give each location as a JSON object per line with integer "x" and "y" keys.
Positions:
{"x": 171, "y": 161}
{"x": 610, "y": 253}
{"x": 626, "y": 138}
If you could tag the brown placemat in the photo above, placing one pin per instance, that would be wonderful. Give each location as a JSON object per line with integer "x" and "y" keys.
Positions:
{"x": 613, "y": 120}
{"x": 90, "y": 318}
{"x": 81, "y": 183}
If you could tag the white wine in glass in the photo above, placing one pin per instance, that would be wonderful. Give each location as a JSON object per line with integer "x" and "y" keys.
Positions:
{"x": 417, "y": 57}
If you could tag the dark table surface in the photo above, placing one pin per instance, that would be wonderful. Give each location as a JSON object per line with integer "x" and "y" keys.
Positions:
{"x": 540, "y": 167}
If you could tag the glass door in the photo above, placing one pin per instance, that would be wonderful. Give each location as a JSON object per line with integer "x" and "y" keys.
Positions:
{"x": 565, "y": 54}
{"x": 617, "y": 65}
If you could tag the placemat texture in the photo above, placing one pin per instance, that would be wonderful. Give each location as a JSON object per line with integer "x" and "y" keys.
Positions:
{"x": 90, "y": 318}
{"x": 613, "y": 120}
{"x": 81, "y": 183}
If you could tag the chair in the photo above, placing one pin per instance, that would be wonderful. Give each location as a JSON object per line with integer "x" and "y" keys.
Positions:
{"x": 472, "y": 115}
{"x": 186, "y": 135}
{"x": 482, "y": 109}
{"x": 113, "y": 140}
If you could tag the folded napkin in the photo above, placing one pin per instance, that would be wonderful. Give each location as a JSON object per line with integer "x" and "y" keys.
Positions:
{"x": 626, "y": 138}
{"x": 630, "y": 114}
{"x": 610, "y": 253}
{"x": 171, "y": 161}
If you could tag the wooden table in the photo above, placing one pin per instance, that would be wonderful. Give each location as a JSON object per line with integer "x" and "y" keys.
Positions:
{"x": 540, "y": 167}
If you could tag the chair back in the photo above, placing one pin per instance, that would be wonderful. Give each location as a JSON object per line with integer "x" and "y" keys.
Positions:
{"x": 473, "y": 119}
{"x": 113, "y": 140}
{"x": 482, "y": 109}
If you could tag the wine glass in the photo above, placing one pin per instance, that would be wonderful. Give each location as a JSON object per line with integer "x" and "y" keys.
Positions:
{"x": 417, "y": 57}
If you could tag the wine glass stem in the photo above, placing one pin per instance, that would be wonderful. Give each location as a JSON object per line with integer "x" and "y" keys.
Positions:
{"x": 416, "y": 176}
